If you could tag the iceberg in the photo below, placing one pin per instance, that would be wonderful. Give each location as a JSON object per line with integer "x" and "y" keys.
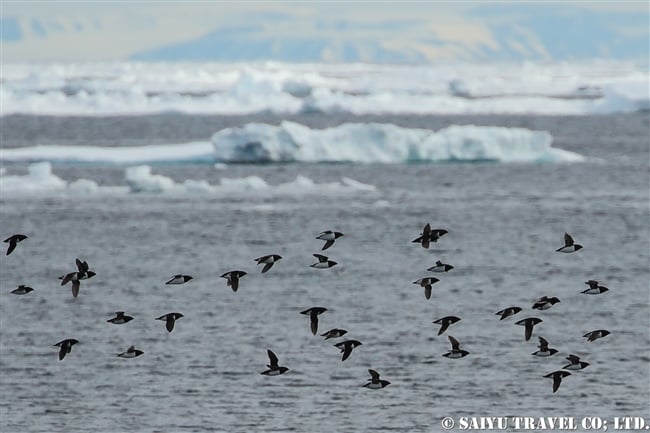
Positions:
{"x": 384, "y": 143}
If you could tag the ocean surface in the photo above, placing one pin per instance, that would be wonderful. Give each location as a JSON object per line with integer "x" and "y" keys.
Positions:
{"x": 147, "y": 194}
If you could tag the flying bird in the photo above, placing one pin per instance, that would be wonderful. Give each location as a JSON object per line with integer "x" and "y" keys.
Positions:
{"x": 268, "y": 261}
{"x": 346, "y": 347}
{"x": 544, "y": 350}
{"x": 273, "y": 368}
{"x": 594, "y": 288}
{"x": 313, "y": 313}
{"x": 131, "y": 352}
{"x": 569, "y": 245}
{"x": 233, "y": 279}
{"x": 375, "y": 382}
{"x": 170, "y": 319}
{"x": 120, "y": 318}
{"x": 456, "y": 352}
{"x": 529, "y": 323}
{"x": 334, "y": 333}
{"x": 445, "y": 322}
{"x": 21, "y": 290}
{"x": 13, "y": 241}
{"x": 323, "y": 262}
{"x": 507, "y": 312}
{"x": 426, "y": 282}
{"x": 179, "y": 279}
{"x": 557, "y": 378}
{"x": 329, "y": 237}
{"x": 65, "y": 347}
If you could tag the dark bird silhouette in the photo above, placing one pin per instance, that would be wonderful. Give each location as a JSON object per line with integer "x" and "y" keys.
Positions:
{"x": 65, "y": 347}
{"x": 131, "y": 352}
{"x": 22, "y": 290}
{"x": 544, "y": 303}
{"x": 529, "y": 323}
{"x": 13, "y": 241}
{"x": 120, "y": 318}
{"x": 233, "y": 278}
{"x": 445, "y": 322}
{"x": 323, "y": 262}
{"x": 313, "y": 313}
{"x": 346, "y": 347}
{"x": 426, "y": 282}
{"x": 170, "y": 319}
{"x": 575, "y": 363}
{"x": 334, "y": 333}
{"x": 273, "y": 368}
{"x": 544, "y": 350}
{"x": 595, "y": 335}
{"x": 557, "y": 378}
{"x": 507, "y": 312}
{"x": 375, "y": 382}
{"x": 268, "y": 261}
{"x": 455, "y": 352}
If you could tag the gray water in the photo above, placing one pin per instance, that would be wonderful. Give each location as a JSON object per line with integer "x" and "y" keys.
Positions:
{"x": 504, "y": 221}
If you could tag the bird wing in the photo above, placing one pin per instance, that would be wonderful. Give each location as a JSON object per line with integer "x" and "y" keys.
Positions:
{"x": 374, "y": 375}
{"x": 321, "y": 258}
{"x": 328, "y": 244}
{"x": 568, "y": 241}
{"x": 273, "y": 360}
{"x": 75, "y": 288}
{"x": 267, "y": 267}
{"x": 455, "y": 345}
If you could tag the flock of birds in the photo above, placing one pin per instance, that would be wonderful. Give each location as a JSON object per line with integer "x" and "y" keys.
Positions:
{"x": 346, "y": 347}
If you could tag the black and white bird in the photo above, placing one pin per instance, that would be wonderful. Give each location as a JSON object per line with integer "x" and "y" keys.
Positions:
{"x": 426, "y": 282}
{"x": 170, "y": 319}
{"x": 528, "y": 323}
{"x": 544, "y": 350}
{"x": 575, "y": 363}
{"x": 544, "y": 303}
{"x": 233, "y": 279}
{"x": 440, "y": 267}
{"x": 329, "y": 237}
{"x": 13, "y": 241}
{"x": 120, "y": 318}
{"x": 65, "y": 347}
{"x": 445, "y": 322}
{"x": 268, "y": 261}
{"x": 83, "y": 273}
{"x": 323, "y": 262}
{"x": 456, "y": 352}
{"x": 334, "y": 333}
{"x": 595, "y": 335}
{"x": 569, "y": 245}
{"x": 313, "y": 313}
{"x": 425, "y": 237}
{"x": 594, "y": 288}
{"x": 179, "y": 279}
{"x": 21, "y": 290}
{"x": 375, "y": 382}
{"x": 507, "y": 312}
{"x": 557, "y": 378}
{"x": 131, "y": 352}
{"x": 434, "y": 235}
{"x": 346, "y": 347}
{"x": 273, "y": 368}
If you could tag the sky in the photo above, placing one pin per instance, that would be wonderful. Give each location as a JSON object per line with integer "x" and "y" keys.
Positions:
{"x": 334, "y": 31}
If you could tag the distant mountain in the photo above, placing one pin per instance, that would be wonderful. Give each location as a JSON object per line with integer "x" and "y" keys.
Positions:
{"x": 517, "y": 32}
